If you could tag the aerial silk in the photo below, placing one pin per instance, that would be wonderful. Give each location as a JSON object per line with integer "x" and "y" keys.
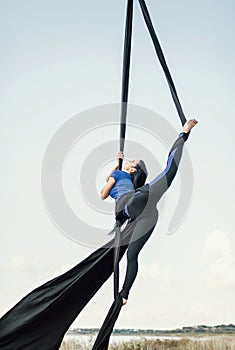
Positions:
{"x": 125, "y": 89}
{"x": 124, "y": 104}
{"x": 40, "y": 320}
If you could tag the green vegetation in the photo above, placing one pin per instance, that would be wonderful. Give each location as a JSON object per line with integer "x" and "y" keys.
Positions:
{"x": 219, "y": 329}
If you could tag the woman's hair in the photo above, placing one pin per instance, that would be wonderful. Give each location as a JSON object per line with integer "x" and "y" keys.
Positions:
{"x": 139, "y": 177}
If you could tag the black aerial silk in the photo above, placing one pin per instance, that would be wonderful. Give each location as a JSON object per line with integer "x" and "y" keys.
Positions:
{"x": 40, "y": 320}
{"x": 124, "y": 100}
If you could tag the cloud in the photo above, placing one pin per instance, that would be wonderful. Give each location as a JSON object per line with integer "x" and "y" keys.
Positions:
{"x": 219, "y": 259}
{"x": 160, "y": 275}
{"x": 18, "y": 262}
{"x": 25, "y": 263}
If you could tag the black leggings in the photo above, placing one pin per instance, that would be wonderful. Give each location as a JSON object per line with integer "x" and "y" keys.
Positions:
{"x": 141, "y": 207}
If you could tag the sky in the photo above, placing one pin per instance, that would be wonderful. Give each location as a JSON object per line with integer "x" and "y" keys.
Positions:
{"x": 61, "y": 58}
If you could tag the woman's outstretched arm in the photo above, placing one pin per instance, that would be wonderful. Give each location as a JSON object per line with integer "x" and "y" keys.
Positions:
{"x": 163, "y": 181}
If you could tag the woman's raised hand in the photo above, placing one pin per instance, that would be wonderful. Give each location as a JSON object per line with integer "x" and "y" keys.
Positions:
{"x": 120, "y": 155}
{"x": 189, "y": 125}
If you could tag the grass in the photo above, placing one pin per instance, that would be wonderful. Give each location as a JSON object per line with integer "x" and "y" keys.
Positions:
{"x": 200, "y": 343}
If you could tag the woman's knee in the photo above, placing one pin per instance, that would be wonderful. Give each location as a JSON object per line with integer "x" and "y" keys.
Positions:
{"x": 132, "y": 255}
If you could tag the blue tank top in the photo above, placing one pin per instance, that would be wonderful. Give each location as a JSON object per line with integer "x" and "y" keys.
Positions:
{"x": 123, "y": 184}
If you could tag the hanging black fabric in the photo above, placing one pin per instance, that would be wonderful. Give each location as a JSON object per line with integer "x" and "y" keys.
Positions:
{"x": 40, "y": 320}
{"x": 126, "y": 74}
{"x": 104, "y": 334}
{"x": 102, "y": 340}
{"x": 117, "y": 240}
{"x": 124, "y": 100}
{"x": 162, "y": 60}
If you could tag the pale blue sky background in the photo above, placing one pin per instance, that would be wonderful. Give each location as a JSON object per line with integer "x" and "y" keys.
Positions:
{"x": 61, "y": 57}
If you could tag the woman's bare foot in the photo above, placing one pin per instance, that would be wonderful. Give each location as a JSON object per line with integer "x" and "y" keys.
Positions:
{"x": 189, "y": 125}
{"x": 124, "y": 301}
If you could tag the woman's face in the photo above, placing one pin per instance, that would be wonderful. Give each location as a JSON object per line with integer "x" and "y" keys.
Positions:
{"x": 130, "y": 166}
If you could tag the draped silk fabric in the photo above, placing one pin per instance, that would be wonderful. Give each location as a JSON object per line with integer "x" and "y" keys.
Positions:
{"x": 40, "y": 320}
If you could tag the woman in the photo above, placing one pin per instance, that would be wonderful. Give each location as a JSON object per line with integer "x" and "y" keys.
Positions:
{"x": 136, "y": 201}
